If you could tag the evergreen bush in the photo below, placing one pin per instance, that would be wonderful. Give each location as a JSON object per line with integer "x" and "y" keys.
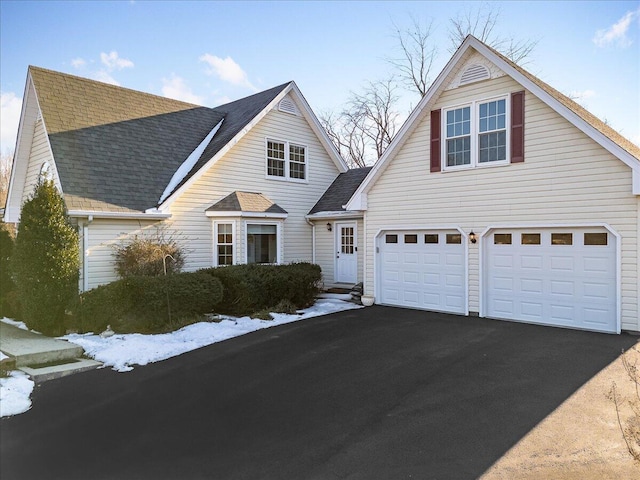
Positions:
{"x": 252, "y": 288}
{"x": 45, "y": 260}
{"x": 6, "y": 282}
{"x": 147, "y": 304}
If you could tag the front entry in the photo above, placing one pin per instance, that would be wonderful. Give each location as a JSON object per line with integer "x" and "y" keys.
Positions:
{"x": 346, "y": 253}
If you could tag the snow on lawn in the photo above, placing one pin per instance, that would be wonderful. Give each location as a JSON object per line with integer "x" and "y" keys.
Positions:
{"x": 122, "y": 351}
{"x": 15, "y": 391}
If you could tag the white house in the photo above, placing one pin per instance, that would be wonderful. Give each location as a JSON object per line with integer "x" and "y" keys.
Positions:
{"x": 503, "y": 198}
{"x": 232, "y": 184}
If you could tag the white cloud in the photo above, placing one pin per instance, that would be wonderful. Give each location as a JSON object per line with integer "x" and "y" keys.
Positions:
{"x": 10, "y": 107}
{"x": 176, "y": 88}
{"x": 104, "y": 76}
{"x": 78, "y": 62}
{"x": 113, "y": 61}
{"x": 617, "y": 33}
{"x": 227, "y": 70}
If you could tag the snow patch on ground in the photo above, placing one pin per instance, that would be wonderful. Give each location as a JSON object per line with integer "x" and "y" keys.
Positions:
{"x": 15, "y": 391}
{"x": 121, "y": 352}
{"x": 15, "y": 323}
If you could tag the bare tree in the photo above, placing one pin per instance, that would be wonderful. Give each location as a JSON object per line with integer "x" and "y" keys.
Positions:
{"x": 6, "y": 161}
{"x": 346, "y": 136}
{"x": 480, "y": 23}
{"x": 417, "y": 55}
{"x": 367, "y": 124}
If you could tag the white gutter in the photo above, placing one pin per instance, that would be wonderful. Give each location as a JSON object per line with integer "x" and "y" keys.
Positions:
{"x": 120, "y": 215}
{"x": 342, "y": 214}
{"x": 214, "y": 213}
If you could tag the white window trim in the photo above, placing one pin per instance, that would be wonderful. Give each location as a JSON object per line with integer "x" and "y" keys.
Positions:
{"x": 475, "y": 133}
{"x": 287, "y": 163}
{"x": 234, "y": 241}
{"x": 279, "y": 241}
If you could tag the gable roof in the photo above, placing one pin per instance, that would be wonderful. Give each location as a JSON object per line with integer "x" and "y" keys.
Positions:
{"x": 607, "y": 137}
{"x": 121, "y": 150}
{"x": 340, "y": 191}
{"x": 115, "y": 148}
{"x": 246, "y": 202}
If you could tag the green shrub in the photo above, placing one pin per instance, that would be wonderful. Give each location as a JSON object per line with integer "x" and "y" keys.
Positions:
{"x": 148, "y": 304}
{"x": 45, "y": 260}
{"x": 6, "y": 282}
{"x": 149, "y": 256}
{"x": 252, "y": 288}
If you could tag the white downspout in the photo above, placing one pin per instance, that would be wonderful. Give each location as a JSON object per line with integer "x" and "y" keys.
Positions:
{"x": 313, "y": 240}
{"x": 85, "y": 253}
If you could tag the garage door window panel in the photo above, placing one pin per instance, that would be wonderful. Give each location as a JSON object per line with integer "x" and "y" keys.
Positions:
{"x": 530, "y": 239}
{"x": 502, "y": 239}
{"x": 411, "y": 238}
{"x": 454, "y": 238}
{"x": 561, "y": 239}
{"x": 592, "y": 239}
{"x": 430, "y": 238}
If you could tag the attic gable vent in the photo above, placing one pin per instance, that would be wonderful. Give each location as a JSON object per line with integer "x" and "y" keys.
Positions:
{"x": 474, "y": 73}
{"x": 288, "y": 106}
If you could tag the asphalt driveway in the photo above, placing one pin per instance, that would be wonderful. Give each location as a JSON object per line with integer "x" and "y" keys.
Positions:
{"x": 377, "y": 393}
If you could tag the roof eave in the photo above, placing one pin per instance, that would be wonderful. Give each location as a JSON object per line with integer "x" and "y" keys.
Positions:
{"x": 328, "y": 215}
{"x": 118, "y": 215}
{"x": 216, "y": 213}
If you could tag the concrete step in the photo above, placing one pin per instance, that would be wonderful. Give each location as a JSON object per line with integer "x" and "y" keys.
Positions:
{"x": 50, "y": 372}
{"x": 29, "y": 348}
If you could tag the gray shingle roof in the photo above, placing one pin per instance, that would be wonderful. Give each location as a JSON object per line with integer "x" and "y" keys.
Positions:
{"x": 246, "y": 202}
{"x": 340, "y": 191}
{"x": 116, "y": 149}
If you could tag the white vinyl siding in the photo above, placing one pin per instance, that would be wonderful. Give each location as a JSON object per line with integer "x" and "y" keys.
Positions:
{"x": 40, "y": 153}
{"x": 103, "y": 236}
{"x": 326, "y": 248}
{"x": 243, "y": 169}
{"x": 566, "y": 178}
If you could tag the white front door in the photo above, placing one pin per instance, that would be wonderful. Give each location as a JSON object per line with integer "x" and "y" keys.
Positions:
{"x": 346, "y": 253}
{"x": 555, "y": 276}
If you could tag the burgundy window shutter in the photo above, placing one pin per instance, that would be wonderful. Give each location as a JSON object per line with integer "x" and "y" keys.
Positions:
{"x": 517, "y": 127}
{"x": 435, "y": 140}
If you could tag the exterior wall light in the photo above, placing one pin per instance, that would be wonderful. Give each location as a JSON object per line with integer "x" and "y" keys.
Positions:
{"x": 329, "y": 226}
{"x": 472, "y": 237}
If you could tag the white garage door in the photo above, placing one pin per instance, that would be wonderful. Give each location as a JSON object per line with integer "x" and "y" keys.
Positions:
{"x": 564, "y": 277}
{"x": 422, "y": 269}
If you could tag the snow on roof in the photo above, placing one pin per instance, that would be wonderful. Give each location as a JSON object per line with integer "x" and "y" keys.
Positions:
{"x": 189, "y": 163}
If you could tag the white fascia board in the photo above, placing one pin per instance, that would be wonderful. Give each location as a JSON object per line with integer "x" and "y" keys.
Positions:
{"x": 319, "y": 130}
{"x": 358, "y": 200}
{"x": 246, "y": 214}
{"x": 19, "y": 169}
{"x": 118, "y": 215}
{"x": 342, "y": 214}
{"x": 189, "y": 163}
{"x": 223, "y": 151}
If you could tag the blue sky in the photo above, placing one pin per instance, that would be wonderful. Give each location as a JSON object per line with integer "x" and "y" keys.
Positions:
{"x": 213, "y": 52}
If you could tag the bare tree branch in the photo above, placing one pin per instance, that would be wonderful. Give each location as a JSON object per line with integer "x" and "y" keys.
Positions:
{"x": 414, "y": 67}
{"x": 481, "y": 23}
{"x": 6, "y": 162}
